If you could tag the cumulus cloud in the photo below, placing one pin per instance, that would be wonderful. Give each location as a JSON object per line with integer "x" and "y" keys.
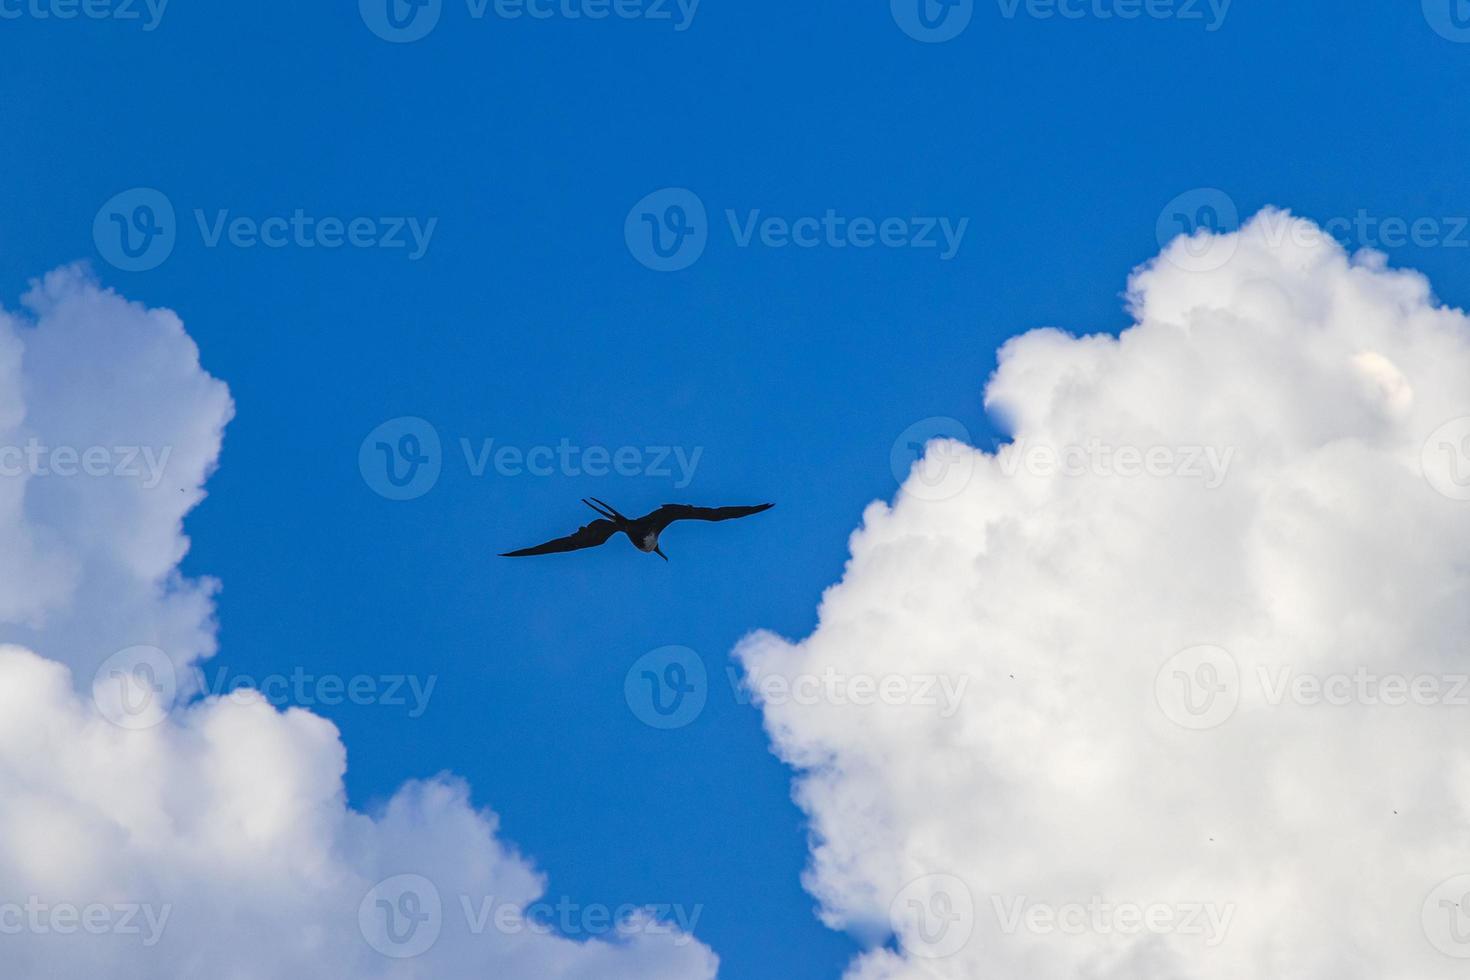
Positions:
{"x": 1213, "y": 728}
{"x": 216, "y": 839}
{"x": 108, "y": 428}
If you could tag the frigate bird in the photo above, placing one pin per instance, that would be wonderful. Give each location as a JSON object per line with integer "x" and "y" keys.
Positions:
{"x": 642, "y": 531}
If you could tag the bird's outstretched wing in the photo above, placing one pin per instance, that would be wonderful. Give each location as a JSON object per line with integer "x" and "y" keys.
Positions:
{"x": 587, "y": 536}
{"x": 669, "y": 513}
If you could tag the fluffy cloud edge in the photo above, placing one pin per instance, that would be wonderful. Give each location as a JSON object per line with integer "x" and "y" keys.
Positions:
{"x": 1326, "y": 373}
{"x": 217, "y": 835}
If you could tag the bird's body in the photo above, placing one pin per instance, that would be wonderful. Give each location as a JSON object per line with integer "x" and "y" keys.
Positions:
{"x": 643, "y": 531}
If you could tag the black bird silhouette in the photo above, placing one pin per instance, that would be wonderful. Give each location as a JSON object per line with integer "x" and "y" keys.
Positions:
{"x": 642, "y": 531}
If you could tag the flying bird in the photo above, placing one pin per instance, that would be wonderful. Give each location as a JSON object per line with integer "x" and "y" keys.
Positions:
{"x": 642, "y": 531}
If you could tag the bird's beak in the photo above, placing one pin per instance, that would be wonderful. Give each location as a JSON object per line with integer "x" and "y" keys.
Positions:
{"x": 659, "y": 552}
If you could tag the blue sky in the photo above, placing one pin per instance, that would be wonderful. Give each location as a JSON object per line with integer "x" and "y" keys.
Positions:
{"x": 530, "y": 320}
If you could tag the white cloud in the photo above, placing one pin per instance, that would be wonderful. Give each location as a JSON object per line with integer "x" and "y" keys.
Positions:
{"x": 88, "y": 560}
{"x": 1075, "y": 790}
{"x": 217, "y": 841}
